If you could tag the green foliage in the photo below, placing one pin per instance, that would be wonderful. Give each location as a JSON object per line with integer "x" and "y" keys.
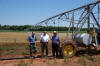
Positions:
{"x": 91, "y": 58}
{"x": 25, "y": 53}
{"x": 22, "y": 63}
{"x": 17, "y": 28}
{"x": 14, "y": 27}
{"x": 31, "y": 61}
{"x": 1, "y": 48}
{"x": 13, "y": 52}
{"x": 82, "y": 60}
{"x": 27, "y": 47}
{"x": 8, "y": 48}
{"x": 14, "y": 40}
{"x": 65, "y": 58}
{"x": 11, "y": 48}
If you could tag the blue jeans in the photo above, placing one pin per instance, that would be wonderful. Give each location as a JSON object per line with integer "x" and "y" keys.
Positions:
{"x": 33, "y": 48}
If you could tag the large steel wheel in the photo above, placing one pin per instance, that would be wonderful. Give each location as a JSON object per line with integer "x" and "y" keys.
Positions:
{"x": 69, "y": 49}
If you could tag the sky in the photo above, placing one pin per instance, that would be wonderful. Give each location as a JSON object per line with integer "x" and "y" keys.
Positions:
{"x": 30, "y": 12}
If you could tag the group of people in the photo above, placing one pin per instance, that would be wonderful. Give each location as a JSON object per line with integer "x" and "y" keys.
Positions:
{"x": 44, "y": 40}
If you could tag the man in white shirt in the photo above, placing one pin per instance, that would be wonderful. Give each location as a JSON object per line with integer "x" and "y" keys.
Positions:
{"x": 44, "y": 42}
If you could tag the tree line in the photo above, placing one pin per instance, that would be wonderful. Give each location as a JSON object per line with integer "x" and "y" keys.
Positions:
{"x": 14, "y": 27}
{"x": 33, "y": 28}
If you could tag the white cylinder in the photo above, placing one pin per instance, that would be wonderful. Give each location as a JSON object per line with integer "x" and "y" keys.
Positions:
{"x": 84, "y": 38}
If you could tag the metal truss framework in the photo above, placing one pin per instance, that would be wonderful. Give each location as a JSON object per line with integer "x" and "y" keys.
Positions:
{"x": 79, "y": 18}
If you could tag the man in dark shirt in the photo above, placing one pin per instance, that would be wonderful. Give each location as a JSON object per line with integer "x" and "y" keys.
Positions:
{"x": 55, "y": 43}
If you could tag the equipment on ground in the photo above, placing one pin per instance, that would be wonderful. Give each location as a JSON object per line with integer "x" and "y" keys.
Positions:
{"x": 83, "y": 25}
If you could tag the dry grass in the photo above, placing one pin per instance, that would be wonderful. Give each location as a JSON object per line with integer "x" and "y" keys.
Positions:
{"x": 20, "y": 37}
{"x": 50, "y": 62}
{"x": 23, "y": 49}
{"x": 12, "y": 37}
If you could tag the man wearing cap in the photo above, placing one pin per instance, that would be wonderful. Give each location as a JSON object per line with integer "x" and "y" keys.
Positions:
{"x": 44, "y": 42}
{"x": 55, "y": 43}
{"x": 32, "y": 40}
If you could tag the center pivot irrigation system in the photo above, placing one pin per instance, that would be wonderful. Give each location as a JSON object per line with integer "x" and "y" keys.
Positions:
{"x": 75, "y": 20}
{"x": 85, "y": 17}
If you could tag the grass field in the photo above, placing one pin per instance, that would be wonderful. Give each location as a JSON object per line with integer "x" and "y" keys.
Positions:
{"x": 14, "y": 44}
{"x": 13, "y": 37}
{"x": 21, "y": 37}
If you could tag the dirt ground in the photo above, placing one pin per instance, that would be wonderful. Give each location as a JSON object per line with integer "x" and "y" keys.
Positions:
{"x": 80, "y": 59}
{"x": 19, "y": 44}
{"x": 50, "y": 61}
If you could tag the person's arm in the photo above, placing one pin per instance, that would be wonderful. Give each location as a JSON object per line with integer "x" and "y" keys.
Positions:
{"x": 48, "y": 38}
{"x": 59, "y": 41}
{"x": 35, "y": 38}
{"x": 41, "y": 39}
{"x": 28, "y": 39}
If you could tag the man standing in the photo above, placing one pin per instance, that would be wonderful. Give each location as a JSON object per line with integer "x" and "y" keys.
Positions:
{"x": 55, "y": 43}
{"x": 44, "y": 42}
{"x": 32, "y": 39}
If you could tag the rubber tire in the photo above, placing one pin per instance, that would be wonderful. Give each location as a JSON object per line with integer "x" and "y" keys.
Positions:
{"x": 69, "y": 43}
